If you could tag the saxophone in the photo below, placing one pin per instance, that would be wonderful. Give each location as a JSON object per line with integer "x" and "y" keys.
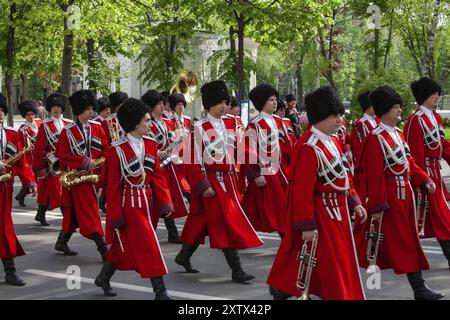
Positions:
{"x": 76, "y": 176}
{"x": 13, "y": 159}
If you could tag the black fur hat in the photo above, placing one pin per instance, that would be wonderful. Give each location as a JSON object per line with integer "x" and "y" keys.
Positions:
{"x": 131, "y": 113}
{"x": 81, "y": 100}
{"x": 27, "y": 106}
{"x": 102, "y": 104}
{"x": 364, "y": 101}
{"x": 213, "y": 93}
{"x": 116, "y": 99}
{"x": 151, "y": 98}
{"x": 260, "y": 94}
{"x": 290, "y": 97}
{"x": 423, "y": 88}
{"x": 383, "y": 99}
{"x": 3, "y": 103}
{"x": 175, "y": 98}
{"x": 322, "y": 103}
{"x": 56, "y": 99}
{"x": 234, "y": 102}
{"x": 165, "y": 94}
{"x": 280, "y": 105}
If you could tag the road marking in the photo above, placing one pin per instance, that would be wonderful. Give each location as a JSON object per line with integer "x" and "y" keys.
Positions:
{"x": 131, "y": 287}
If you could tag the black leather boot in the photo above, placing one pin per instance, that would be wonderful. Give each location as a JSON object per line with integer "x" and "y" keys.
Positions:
{"x": 40, "y": 216}
{"x": 238, "y": 274}
{"x": 102, "y": 203}
{"x": 103, "y": 278}
{"x": 159, "y": 288}
{"x": 183, "y": 258}
{"x": 278, "y": 295}
{"x": 421, "y": 291}
{"x": 61, "y": 244}
{"x": 101, "y": 246}
{"x": 445, "y": 245}
{"x": 20, "y": 197}
{"x": 172, "y": 231}
{"x": 11, "y": 277}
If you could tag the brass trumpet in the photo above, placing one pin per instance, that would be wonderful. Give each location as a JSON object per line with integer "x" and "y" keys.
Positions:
{"x": 374, "y": 240}
{"x": 307, "y": 263}
{"x": 114, "y": 130}
{"x": 53, "y": 164}
{"x": 76, "y": 176}
{"x": 422, "y": 208}
{"x": 13, "y": 159}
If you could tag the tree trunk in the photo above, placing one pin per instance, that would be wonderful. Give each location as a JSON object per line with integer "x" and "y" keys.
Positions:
{"x": 240, "y": 66}
{"x": 66, "y": 77}
{"x": 25, "y": 87}
{"x": 376, "y": 49}
{"x": 299, "y": 76}
{"x": 10, "y": 63}
{"x": 389, "y": 41}
{"x": 91, "y": 64}
{"x": 428, "y": 63}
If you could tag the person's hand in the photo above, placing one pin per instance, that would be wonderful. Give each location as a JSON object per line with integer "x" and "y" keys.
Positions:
{"x": 4, "y": 167}
{"x": 377, "y": 216}
{"x": 308, "y": 235}
{"x": 92, "y": 165}
{"x": 260, "y": 181}
{"x": 32, "y": 190}
{"x": 361, "y": 212}
{"x": 431, "y": 187}
{"x": 208, "y": 193}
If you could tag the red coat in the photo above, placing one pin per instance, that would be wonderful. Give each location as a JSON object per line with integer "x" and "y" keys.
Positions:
{"x": 266, "y": 206}
{"x": 49, "y": 187}
{"x": 182, "y": 170}
{"x": 221, "y": 216}
{"x": 175, "y": 178}
{"x": 9, "y": 244}
{"x": 362, "y": 127}
{"x": 388, "y": 188}
{"x": 80, "y": 201}
{"x": 317, "y": 203}
{"x": 131, "y": 188}
{"x": 29, "y": 133}
{"x": 290, "y": 130}
{"x": 426, "y": 139}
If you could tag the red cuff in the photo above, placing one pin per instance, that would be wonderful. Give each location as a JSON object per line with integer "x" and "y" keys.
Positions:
{"x": 306, "y": 225}
{"x": 378, "y": 208}
{"x": 164, "y": 208}
{"x": 85, "y": 163}
{"x": 202, "y": 186}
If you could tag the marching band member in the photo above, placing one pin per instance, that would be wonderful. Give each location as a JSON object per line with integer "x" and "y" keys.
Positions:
{"x": 134, "y": 178}
{"x": 388, "y": 171}
{"x": 362, "y": 127}
{"x": 103, "y": 110}
{"x": 281, "y": 112}
{"x": 104, "y": 113}
{"x": 28, "y": 133}
{"x": 215, "y": 209}
{"x": 44, "y": 159}
{"x": 82, "y": 143}
{"x": 320, "y": 194}
{"x": 266, "y": 144}
{"x": 163, "y": 132}
{"x": 426, "y": 138}
{"x": 168, "y": 112}
{"x": 292, "y": 114}
{"x": 10, "y": 146}
{"x": 183, "y": 126}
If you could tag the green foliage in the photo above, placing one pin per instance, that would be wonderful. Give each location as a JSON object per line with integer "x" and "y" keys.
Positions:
{"x": 394, "y": 77}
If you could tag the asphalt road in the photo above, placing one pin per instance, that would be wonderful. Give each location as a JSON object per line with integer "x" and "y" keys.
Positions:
{"x": 48, "y": 274}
